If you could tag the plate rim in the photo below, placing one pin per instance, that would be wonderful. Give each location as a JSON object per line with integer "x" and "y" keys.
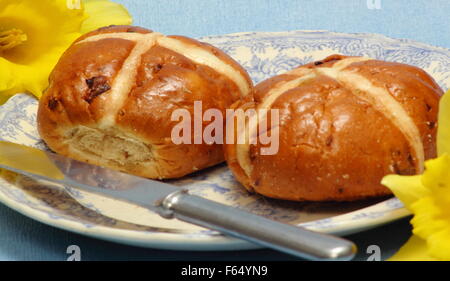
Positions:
{"x": 181, "y": 241}
{"x": 359, "y": 34}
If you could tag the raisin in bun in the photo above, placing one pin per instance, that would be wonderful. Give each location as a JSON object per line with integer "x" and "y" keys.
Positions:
{"x": 112, "y": 93}
{"x": 344, "y": 123}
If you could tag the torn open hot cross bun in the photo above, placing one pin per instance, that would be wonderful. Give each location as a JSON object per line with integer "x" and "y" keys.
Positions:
{"x": 112, "y": 94}
{"x": 344, "y": 123}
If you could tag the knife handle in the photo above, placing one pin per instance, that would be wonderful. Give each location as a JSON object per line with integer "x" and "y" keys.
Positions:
{"x": 283, "y": 237}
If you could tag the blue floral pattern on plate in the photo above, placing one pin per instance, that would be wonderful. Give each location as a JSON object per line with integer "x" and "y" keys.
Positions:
{"x": 263, "y": 55}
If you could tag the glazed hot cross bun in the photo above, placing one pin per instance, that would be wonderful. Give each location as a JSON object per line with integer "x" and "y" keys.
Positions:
{"x": 344, "y": 123}
{"x": 112, "y": 93}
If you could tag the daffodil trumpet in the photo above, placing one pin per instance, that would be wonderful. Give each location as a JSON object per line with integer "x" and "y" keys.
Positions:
{"x": 11, "y": 38}
{"x": 34, "y": 34}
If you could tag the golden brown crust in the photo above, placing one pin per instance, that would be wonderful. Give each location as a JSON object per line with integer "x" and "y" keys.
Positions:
{"x": 217, "y": 52}
{"x": 414, "y": 89}
{"x": 71, "y": 116}
{"x": 65, "y": 102}
{"x": 334, "y": 145}
{"x": 265, "y": 86}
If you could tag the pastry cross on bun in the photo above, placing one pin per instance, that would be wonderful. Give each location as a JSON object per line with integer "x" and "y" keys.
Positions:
{"x": 344, "y": 123}
{"x": 112, "y": 93}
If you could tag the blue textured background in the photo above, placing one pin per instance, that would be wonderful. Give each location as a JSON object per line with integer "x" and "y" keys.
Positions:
{"x": 422, "y": 20}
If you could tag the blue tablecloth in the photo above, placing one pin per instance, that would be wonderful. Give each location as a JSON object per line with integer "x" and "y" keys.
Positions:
{"x": 427, "y": 21}
{"x": 423, "y": 20}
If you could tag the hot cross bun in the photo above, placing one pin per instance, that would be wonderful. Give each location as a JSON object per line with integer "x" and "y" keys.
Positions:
{"x": 112, "y": 93}
{"x": 344, "y": 123}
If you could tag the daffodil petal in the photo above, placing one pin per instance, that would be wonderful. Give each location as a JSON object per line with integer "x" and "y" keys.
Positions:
{"x": 413, "y": 250}
{"x": 7, "y": 80}
{"x": 437, "y": 177}
{"x": 443, "y": 134}
{"x": 439, "y": 244}
{"x": 104, "y": 12}
{"x": 408, "y": 189}
{"x": 428, "y": 217}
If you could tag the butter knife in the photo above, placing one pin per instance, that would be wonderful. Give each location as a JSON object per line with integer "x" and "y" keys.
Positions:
{"x": 171, "y": 201}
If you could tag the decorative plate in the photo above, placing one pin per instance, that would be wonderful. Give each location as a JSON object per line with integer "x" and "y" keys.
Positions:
{"x": 263, "y": 55}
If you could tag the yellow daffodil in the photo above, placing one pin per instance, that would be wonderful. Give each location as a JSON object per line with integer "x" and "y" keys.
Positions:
{"x": 34, "y": 34}
{"x": 427, "y": 196}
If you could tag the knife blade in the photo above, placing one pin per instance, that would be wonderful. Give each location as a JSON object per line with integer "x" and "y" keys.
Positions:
{"x": 173, "y": 202}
